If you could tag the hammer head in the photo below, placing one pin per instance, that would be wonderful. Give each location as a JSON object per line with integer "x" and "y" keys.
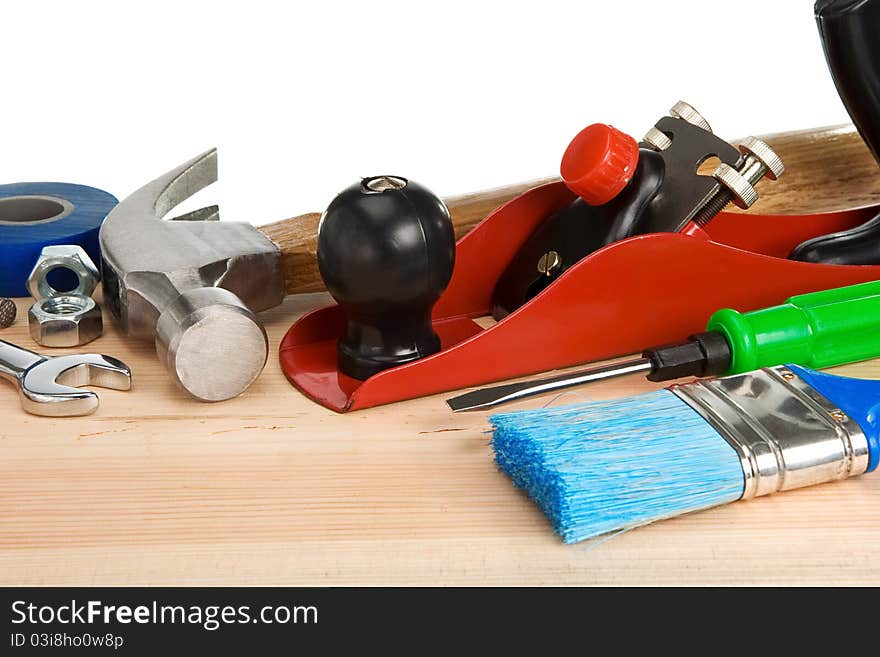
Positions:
{"x": 191, "y": 283}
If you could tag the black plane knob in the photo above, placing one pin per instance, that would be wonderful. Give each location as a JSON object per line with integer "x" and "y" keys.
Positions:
{"x": 386, "y": 250}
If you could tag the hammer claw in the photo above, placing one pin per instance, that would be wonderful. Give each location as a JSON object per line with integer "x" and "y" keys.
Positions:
{"x": 179, "y": 184}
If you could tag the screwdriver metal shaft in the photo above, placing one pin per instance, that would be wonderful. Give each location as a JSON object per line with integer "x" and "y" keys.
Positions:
{"x": 816, "y": 330}
{"x": 489, "y": 397}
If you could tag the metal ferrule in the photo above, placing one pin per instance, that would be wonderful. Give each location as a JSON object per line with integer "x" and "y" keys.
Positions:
{"x": 787, "y": 435}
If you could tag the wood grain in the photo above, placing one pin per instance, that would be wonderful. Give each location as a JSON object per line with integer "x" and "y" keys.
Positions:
{"x": 271, "y": 489}
{"x": 826, "y": 169}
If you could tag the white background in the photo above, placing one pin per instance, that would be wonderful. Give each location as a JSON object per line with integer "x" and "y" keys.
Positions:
{"x": 302, "y": 99}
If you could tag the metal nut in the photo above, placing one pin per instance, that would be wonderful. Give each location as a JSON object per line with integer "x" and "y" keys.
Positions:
{"x": 65, "y": 321}
{"x": 63, "y": 256}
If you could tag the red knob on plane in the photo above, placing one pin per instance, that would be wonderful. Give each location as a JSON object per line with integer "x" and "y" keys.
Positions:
{"x": 599, "y": 162}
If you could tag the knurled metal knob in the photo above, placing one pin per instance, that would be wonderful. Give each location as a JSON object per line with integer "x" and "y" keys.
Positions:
{"x": 743, "y": 192}
{"x": 686, "y": 112}
{"x": 657, "y": 140}
{"x": 760, "y": 151}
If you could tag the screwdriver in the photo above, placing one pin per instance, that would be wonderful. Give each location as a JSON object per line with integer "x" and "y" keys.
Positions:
{"x": 816, "y": 330}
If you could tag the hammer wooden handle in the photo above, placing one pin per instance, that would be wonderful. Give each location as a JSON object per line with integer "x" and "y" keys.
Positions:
{"x": 825, "y": 169}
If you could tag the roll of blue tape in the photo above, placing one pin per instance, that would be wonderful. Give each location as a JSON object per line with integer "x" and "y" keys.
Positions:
{"x": 34, "y": 215}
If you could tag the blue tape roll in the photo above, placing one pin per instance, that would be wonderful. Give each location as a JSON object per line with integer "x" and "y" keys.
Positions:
{"x": 34, "y": 215}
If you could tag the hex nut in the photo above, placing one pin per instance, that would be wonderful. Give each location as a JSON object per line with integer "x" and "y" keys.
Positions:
{"x": 63, "y": 256}
{"x": 65, "y": 321}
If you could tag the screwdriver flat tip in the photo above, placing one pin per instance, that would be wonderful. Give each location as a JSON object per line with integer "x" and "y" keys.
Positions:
{"x": 484, "y": 398}
{"x": 463, "y": 403}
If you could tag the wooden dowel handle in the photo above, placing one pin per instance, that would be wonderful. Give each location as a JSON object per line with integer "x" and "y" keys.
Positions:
{"x": 825, "y": 169}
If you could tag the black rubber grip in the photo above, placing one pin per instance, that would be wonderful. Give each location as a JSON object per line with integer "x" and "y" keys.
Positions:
{"x": 856, "y": 246}
{"x": 848, "y": 29}
{"x": 704, "y": 354}
{"x": 849, "y": 32}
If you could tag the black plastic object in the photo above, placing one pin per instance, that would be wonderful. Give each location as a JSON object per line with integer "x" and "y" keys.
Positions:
{"x": 578, "y": 230}
{"x": 856, "y": 246}
{"x": 664, "y": 193}
{"x": 850, "y": 32}
{"x": 704, "y": 354}
{"x": 386, "y": 249}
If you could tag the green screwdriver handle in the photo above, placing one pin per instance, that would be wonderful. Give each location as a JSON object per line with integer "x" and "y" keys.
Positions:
{"x": 816, "y": 330}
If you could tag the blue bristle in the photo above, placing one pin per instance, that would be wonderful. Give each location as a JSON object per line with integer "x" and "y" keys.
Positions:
{"x": 602, "y": 466}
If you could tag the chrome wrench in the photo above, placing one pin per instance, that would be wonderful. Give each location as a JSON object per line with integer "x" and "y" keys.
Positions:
{"x": 48, "y": 385}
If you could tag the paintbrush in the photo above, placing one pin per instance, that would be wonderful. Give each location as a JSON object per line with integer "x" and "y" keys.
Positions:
{"x": 599, "y": 467}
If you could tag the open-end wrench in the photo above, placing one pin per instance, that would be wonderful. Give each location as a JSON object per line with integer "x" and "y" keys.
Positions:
{"x": 48, "y": 385}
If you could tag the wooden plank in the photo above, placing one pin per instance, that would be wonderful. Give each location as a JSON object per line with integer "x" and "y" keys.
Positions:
{"x": 269, "y": 489}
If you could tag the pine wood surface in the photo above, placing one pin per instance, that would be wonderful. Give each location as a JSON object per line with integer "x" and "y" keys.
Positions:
{"x": 271, "y": 489}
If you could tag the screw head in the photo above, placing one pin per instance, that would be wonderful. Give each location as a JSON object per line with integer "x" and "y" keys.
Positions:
{"x": 549, "y": 263}
{"x": 839, "y": 415}
{"x": 384, "y": 183}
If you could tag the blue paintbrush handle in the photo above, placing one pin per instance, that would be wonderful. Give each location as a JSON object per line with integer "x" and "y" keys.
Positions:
{"x": 858, "y": 398}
